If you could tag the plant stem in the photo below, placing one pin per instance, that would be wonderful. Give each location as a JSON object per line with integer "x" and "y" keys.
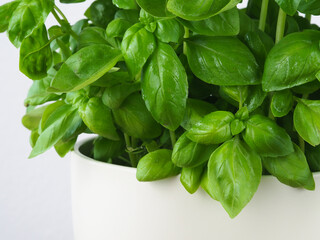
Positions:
{"x": 186, "y": 35}
{"x": 302, "y": 143}
{"x": 129, "y": 148}
{"x": 308, "y": 17}
{"x": 173, "y": 138}
{"x": 281, "y": 24}
{"x": 59, "y": 20}
{"x": 263, "y": 15}
{"x": 134, "y": 145}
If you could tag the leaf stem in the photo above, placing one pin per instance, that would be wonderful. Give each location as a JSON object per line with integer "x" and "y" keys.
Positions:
{"x": 129, "y": 148}
{"x": 186, "y": 35}
{"x": 281, "y": 24}
{"x": 302, "y": 143}
{"x": 60, "y": 21}
{"x": 173, "y": 138}
{"x": 308, "y": 17}
{"x": 263, "y": 15}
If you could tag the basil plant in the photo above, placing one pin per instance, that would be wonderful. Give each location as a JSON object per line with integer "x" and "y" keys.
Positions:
{"x": 217, "y": 94}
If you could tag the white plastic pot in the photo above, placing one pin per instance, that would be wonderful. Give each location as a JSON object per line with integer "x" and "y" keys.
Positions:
{"x": 110, "y": 204}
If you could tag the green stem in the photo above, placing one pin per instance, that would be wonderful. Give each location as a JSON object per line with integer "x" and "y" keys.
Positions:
{"x": 308, "y": 17}
{"x": 263, "y": 15}
{"x": 134, "y": 145}
{"x": 61, "y": 13}
{"x": 173, "y": 138}
{"x": 59, "y": 20}
{"x": 186, "y": 35}
{"x": 129, "y": 148}
{"x": 281, "y": 24}
{"x": 302, "y": 143}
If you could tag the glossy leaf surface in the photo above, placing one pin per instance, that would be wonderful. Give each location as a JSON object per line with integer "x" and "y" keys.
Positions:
{"x": 191, "y": 178}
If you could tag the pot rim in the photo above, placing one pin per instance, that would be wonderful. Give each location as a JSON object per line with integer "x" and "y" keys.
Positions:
{"x": 126, "y": 168}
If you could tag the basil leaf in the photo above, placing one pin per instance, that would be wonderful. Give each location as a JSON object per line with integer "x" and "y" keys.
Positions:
{"x": 307, "y": 120}
{"x": 156, "y": 165}
{"x": 104, "y": 149}
{"x": 33, "y": 137}
{"x": 282, "y": 103}
{"x": 101, "y": 12}
{"x": 156, "y": 8}
{"x": 55, "y": 131}
{"x": 289, "y": 6}
{"x": 28, "y": 16}
{"x": 307, "y": 88}
{"x": 6, "y": 12}
{"x": 129, "y": 15}
{"x": 114, "y": 96}
{"x": 214, "y": 128}
{"x": 72, "y": 1}
{"x": 112, "y": 78}
{"x": 213, "y": 60}
{"x": 293, "y": 61}
{"x": 38, "y": 93}
{"x": 206, "y": 186}
{"x": 292, "y": 170}
{"x": 98, "y": 118}
{"x": 35, "y": 54}
{"x": 196, "y": 110}
{"x": 63, "y": 147}
{"x": 313, "y": 157}
{"x": 266, "y": 138}
{"x": 236, "y": 93}
{"x": 32, "y": 119}
{"x": 224, "y": 24}
{"x": 260, "y": 45}
{"x": 94, "y": 35}
{"x": 237, "y": 126}
{"x": 125, "y": 4}
{"x": 47, "y": 119}
{"x": 169, "y": 30}
{"x": 84, "y": 67}
{"x": 165, "y": 87}
{"x": 189, "y": 154}
{"x": 199, "y": 9}
{"x": 134, "y": 118}
{"x": 255, "y": 98}
{"x": 191, "y": 178}
{"x": 234, "y": 172}
{"x": 137, "y": 45}
{"x": 117, "y": 28}
{"x": 309, "y": 7}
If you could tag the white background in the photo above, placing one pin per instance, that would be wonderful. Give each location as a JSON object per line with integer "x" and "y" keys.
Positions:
{"x": 35, "y": 199}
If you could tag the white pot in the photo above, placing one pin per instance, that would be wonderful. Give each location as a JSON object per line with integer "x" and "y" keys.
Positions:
{"x": 110, "y": 204}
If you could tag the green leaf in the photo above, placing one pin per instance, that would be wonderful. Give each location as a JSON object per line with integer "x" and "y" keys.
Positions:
{"x": 32, "y": 119}
{"x": 112, "y": 78}
{"x": 289, "y": 6}
{"x": 292, "y": 170}
{"x": 71, "y": 1}
{"x": 129, "y": 15}
{"x": 98, "y": 118}
{"x": 237, "y": 93}
{"x": 266, "y": 138}
{"x": 169, "y": 30}
{"x": 156, "y": 8}
{"x": 191, "y": 178}
{"x": 237, "y": 126}
{"x": 234, "y": 172}
{"x": 307, "y": 120}
{"x": 156, "y": 165}
{"x": 222, "y": 61}
{"x": 6, "y": 12}
{"x": 309, "y": 7}
{"x": 38, "y": 93}
{"x": 199, "y": 9}
{"x": 224, "y": 24}
{"x": 114, "y": 96}
{"x": 28, "y": 16}
{"x": 85, "y": 67}
{"x": 313, "y": 157}
{"x": 307, "y": 88}
{"x": 293, "y": 61}
{"x": 50, "y": 109}
{"x": 35, "y": 54}
{"x": 260, "y": 45}
{"x": 55, "y": 131}
{"x": 33, "y": 137}
{"x": 134, "y": 118}
{"x": 94, "y": 35}
{"x": 282, "y": 103}
{"x": 101, "y": 12}
{"x": 137, "y": 45}
{"x": 125, "y": 4}
{"x": 103, "y": 149}
{"x": 214, "y": 128}
{"x": 255, "y": 98}
{"x": 195, "y": 111}
{"x": 117, "y": 28}
{"x": 63, "y": 147}
{"x": 206, "y": 186}
{"x": 189, "y": 154}
{"x": 165, "y": 87}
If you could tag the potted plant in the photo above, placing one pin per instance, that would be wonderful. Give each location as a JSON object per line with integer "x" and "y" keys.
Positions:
{"x": 218, "y": 96}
